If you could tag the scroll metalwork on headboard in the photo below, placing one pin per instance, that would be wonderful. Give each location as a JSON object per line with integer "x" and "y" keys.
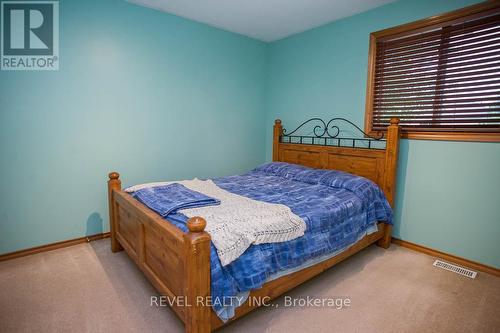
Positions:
{"x": 328, "y": 134}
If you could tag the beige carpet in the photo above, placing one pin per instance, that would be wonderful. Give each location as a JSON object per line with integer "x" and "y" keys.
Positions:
{"x": 86, "y": 288}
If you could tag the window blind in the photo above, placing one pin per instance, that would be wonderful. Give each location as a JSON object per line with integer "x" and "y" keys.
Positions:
{"x": 441, "y": 78}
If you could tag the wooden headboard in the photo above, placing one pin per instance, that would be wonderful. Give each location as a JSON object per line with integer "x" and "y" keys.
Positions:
{"x": 369, "y": 161}
{"x": 375, "y": 163}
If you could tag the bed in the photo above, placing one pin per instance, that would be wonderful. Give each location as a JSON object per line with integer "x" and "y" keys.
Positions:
{"x": 177, "y": 260}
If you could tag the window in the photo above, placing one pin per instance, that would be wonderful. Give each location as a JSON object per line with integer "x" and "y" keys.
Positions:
{"x": 440, "y": 76}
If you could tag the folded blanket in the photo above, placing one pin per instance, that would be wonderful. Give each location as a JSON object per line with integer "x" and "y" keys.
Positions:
{"x": 237, "y": 222}
{"x": 173, "y": 197}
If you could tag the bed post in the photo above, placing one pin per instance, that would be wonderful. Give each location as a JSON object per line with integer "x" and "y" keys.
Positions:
{"x": 114, "y": 183}
{"x": 197, "y": 276}
{"x": 277, "y": 132}
{"x": 391, "y": 164}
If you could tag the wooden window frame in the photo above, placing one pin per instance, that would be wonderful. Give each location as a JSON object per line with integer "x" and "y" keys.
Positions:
{"x": 422, "y": 24}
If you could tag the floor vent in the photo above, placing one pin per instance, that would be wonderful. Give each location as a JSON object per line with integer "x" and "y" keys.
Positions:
{"x": 455, "y": 268}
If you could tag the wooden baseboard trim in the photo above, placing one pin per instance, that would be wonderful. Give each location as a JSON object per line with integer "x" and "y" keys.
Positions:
{"x": 448, "y": 257}
{"x": 403, "y": 243}
{"x": 52, "y": 246}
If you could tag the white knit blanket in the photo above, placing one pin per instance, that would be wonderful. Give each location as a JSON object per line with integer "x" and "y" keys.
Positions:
{"x": 238, "y": 221}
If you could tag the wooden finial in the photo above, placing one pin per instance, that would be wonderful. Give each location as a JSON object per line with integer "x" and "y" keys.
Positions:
{"x": 394, "y": 121}
{"x": 277, "y": 122}
{"x": 114, "y": 175}
{"x": 196, "y": 224}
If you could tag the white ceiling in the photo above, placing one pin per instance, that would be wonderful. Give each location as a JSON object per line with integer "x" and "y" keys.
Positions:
{"x": 267, "y": 20}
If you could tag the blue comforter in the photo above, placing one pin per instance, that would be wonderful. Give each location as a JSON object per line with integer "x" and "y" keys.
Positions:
{"x": 337, "y": 207}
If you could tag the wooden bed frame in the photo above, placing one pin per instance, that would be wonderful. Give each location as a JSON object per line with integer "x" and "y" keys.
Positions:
{"x": 178, "y": 263}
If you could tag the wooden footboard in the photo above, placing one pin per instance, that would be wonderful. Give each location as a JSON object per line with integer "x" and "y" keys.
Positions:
{"x": 176, "y": 263}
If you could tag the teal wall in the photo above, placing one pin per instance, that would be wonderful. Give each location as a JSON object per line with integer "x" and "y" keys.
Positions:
{"x": 157, "y": 97}
{"x": 148, "y": 94}
{"x": 448, "y": 192}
